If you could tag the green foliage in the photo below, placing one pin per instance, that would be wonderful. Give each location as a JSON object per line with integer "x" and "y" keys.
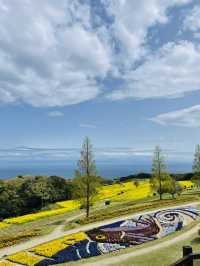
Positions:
{"x": 161, "y": 181}
{"x": 23, "y": 195}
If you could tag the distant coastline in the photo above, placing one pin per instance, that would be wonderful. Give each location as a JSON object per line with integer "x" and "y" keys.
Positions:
{"x": 66, "y": 169}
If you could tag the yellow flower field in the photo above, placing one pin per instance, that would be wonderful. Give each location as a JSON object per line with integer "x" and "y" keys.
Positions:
{"x": 50, "y": 248}
{"x": 186, "y": 184}
{"x": 3, "y": 225}
{"x": 68, "y": 206}
{"x": 125, "y": 191}
{"x": 116, "y": 192}
{"x": 25, "y": 258}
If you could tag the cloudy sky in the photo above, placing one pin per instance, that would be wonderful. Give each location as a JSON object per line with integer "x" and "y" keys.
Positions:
{"x": 124, "y": 72}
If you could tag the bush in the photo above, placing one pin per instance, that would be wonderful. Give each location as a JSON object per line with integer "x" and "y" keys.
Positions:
{"x": 107, "y": 202}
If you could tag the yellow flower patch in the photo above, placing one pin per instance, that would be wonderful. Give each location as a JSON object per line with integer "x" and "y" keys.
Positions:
{"x": 3, "y": 225}
{"x": 186, "y": 184}
{"x": 25, "y": 258}
{"x": 6, "y": 263}
{"x": 69, "y": 204}
{"x": 51, "y": 248}
{"x": 34, "y": 216}
{"x": 125, "y": 191}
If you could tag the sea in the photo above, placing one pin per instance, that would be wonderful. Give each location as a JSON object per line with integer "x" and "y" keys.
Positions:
{"x": 106, "y": 169}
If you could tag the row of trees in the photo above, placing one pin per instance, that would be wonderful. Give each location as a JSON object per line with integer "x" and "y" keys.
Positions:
{"x": 162, "y": 182}
{"x": 87, "y": 182}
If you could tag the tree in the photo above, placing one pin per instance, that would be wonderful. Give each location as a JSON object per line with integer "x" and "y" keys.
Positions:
{"x": 158, "y": 171}
{"x": 174, "y": 188}
{"x": 196, "y": 165}
{"x": 86, "y": 179}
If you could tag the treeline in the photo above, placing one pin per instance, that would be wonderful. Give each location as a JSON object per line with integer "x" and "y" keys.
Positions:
{"x": 141, "y": 176}
{"x": 23, "y": 195}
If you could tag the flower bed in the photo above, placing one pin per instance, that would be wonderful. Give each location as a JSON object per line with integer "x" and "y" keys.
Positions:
{"x": 6, "y": 263}
{"x": 51, "y": 248}
{"x": 108, "y": 238}
{"x": 25, "y": 258}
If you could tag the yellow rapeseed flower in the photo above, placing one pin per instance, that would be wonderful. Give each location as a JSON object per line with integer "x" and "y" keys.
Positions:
{"x": 25, "y": 258}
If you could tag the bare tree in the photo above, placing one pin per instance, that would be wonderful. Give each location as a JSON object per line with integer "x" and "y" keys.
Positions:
{"x": 196, "y": 165}
{"x": 86, "y": 179}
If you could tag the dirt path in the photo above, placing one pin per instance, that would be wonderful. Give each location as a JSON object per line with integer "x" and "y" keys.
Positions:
{"x": 58, "y": 232}
{"x": 120, "y": 258}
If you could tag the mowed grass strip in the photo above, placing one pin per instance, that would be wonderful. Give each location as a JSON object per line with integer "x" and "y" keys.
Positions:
{"x": 133, "y": 207}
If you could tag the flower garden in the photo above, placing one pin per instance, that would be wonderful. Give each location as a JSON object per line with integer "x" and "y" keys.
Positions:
{"x": 105, "y": 239}
{"x": 117, "y": 192}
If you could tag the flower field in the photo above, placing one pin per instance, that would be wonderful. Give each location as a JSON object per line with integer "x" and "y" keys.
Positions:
{"x": 108, "y": 238}
{"x": 125, "y": 191}
{"x": 24, "y": 258}
{"x": 3, "y": 225}
{"x": 116, "y": 192}
{"x": 48, "y": 249}
{"x": 66, "y": 206}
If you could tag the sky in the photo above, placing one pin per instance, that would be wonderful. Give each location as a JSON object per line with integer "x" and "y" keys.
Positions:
{"x": 126, "y": 73}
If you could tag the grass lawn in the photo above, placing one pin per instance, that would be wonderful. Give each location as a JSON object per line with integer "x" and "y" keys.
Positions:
{"x": 130, "y": 207}
{"x": 17, "y": 233}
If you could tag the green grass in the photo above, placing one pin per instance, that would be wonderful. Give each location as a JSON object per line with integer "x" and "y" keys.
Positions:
{"x": 18, "y": 233}
{"x": 131, "y": 207}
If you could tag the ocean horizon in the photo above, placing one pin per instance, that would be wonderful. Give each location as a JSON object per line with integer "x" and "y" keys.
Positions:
{"x": 66, "y": 169}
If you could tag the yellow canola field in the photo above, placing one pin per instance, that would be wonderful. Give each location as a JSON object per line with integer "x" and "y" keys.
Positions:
{"x": 3, "y": 225}
{"x": 187, "y": 184}
{"x": 51, "y": 248}
{"x": 116, "y": 192}
{"x": 68, "y": 206}
{"x": 125, "y": 191}
{"x": 6, "y": 263}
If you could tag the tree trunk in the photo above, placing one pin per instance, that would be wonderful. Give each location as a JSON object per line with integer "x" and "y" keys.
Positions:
{"x": 88, "y": 202}
{"x": 88, "y": 185}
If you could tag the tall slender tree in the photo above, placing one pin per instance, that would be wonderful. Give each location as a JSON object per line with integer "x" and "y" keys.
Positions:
{"x": 196, "y": 165}
{"x": 158, "y": 171}
{"x": 86, "y": 179}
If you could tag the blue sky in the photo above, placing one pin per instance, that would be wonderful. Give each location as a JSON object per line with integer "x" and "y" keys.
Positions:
{"x": 123, "y": 72}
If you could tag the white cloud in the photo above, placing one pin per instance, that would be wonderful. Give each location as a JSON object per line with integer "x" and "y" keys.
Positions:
{"x": 49, "y": 55}
{"x": 88, "y": 126}
{"x": 188, "y": 117}
{"x": 55, "y": 114}
{"x": 192, "y": 20}
{"x": 131, "y": 22}
{"x": 171, "y": 72}
{"x": 52, "y": 55}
